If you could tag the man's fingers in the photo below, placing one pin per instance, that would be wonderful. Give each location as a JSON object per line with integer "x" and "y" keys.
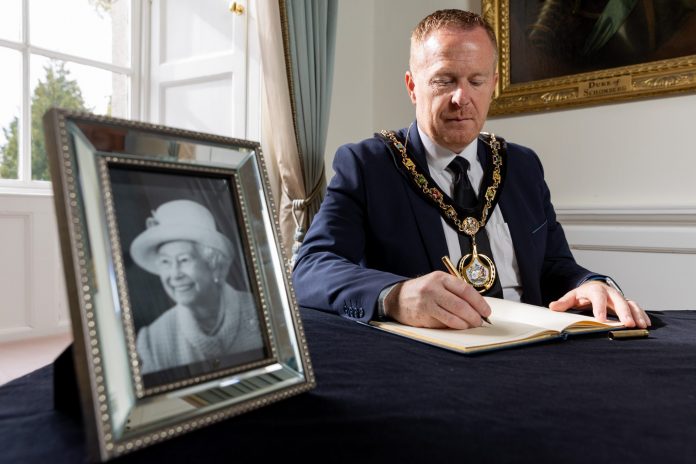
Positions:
{"x": 460, "y": 302}
{"x": 641, "y": 317}
{"x": 598, "y": 300}
{"x": 469, "y": 296}
{"x": 452, "y": 320}
{"x": 565, "y": 302}
{"x": 622, "y": 309}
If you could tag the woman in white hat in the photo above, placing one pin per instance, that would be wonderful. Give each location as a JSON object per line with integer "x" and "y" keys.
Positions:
{"x": 210, "y": 320}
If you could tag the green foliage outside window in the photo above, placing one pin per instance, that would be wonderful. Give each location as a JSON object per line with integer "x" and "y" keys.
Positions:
{"x": 57, "y": 89}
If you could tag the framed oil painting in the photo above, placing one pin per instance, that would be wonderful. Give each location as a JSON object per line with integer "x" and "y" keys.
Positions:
{"x": 561, "y": 53}
{"x": 182, "y": 311}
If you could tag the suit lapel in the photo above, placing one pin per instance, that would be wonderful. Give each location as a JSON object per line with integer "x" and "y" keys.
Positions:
{"x": 426, "y": 215}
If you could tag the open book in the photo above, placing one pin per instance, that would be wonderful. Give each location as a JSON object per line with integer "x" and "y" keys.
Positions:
{"x": 512, "y": 324}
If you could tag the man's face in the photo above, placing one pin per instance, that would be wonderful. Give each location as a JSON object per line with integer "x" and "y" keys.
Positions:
{"x": 185, "y": 276}
{"x": 451, "y": 83}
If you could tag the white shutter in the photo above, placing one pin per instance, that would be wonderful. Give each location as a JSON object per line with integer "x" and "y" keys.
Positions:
{"x": 198, "y": 66}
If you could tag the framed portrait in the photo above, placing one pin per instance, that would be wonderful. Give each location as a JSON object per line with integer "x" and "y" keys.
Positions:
{"x": 154, "y": 208}
{"x": 557, "y": 53}
{"x": 182, "y": 310}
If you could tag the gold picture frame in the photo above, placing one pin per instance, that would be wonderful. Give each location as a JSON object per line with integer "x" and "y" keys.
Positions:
{"x": 125, "y": 193}
{"x": 556, "y": 54}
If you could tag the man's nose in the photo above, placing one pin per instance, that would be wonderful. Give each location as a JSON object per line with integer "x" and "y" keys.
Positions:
{"x": 460, "y": 97}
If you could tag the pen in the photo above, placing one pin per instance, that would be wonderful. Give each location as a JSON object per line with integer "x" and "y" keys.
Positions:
{"x": 624, "y": 334}
{"x": 453, "y": 270}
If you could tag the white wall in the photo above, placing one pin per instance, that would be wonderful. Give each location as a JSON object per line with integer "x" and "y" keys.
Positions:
{"x": 631, "y": 154}
{"x": 32, "y": 287}
{"x": 352, "y": 96}
{"x": 620, "y": 175}
{"x": 372, "y": 46}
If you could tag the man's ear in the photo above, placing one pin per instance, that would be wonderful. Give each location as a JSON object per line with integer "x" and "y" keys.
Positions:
{"x": 410, "y": 86}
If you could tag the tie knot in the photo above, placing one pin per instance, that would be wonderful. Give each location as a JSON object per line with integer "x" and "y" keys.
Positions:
{"x": 458, "y": 166}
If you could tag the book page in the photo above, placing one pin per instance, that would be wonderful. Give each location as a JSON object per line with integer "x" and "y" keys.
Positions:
{"x": 498, "y": 335}
{"x": 512, "y": 324}
{"x": 512, "y": 311}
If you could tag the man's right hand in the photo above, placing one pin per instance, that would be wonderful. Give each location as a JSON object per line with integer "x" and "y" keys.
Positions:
{"x": 436, "y": 300}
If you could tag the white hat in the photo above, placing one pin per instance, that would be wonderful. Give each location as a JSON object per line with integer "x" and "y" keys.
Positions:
{"x": 177, "y": 220}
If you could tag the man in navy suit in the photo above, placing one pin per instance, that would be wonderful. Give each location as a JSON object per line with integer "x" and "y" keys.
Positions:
{"x": 374, "y": 249}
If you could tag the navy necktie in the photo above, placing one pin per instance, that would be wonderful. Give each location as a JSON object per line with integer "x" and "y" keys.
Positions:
{"x": 465, "y": 196}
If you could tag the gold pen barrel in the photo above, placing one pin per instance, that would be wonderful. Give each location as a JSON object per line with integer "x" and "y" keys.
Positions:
{"x": 630, "y": 333}
{"x": 450, "y": 267}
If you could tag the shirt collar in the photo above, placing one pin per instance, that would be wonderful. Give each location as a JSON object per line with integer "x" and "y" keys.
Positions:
{"x": 439, "y": 157}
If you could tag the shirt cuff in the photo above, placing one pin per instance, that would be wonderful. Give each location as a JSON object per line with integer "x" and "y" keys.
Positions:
{"x": 381, "y": 315}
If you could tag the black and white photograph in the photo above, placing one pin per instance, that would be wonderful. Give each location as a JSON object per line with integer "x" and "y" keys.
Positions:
{"x": 192, "y": 299}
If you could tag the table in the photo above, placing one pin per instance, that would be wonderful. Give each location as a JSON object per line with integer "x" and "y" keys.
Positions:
{"x": 384, "y": 398}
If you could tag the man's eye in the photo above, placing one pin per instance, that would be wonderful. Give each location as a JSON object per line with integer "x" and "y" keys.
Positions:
{"x": 442, "y": 82}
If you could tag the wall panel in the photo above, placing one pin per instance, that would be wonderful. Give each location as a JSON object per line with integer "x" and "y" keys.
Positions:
{"x": 15, "y": 256}
{"x": 32, "y": 288}
{"x": 651, "y": 253}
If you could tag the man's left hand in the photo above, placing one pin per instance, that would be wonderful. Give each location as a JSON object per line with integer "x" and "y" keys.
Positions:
{"x": 603, "y": 298}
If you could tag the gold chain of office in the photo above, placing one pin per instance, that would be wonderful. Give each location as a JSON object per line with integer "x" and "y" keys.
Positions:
{"x": 468, "y": 225}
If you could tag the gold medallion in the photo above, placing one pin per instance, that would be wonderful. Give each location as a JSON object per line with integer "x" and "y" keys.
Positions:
{"x": 477, "y": 269}
{"x": 471, "y": 226}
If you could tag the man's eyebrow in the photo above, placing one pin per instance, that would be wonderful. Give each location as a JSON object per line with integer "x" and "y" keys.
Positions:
{"x": 443, "y": 72}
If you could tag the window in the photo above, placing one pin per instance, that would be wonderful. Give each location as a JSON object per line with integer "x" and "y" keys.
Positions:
{"x": 185, "y": 63}
{"x": 78, "y": 54}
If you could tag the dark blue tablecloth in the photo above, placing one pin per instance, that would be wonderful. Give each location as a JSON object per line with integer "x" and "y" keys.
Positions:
{"x": 383, "y": 398}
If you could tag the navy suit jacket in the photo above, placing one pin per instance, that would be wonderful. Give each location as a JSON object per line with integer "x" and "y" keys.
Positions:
{"x": 374, "y": 230}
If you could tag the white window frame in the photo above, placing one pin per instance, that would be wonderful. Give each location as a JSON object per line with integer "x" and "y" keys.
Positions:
{"x": 139, "y": 29}
{"x": 139, "y": 75}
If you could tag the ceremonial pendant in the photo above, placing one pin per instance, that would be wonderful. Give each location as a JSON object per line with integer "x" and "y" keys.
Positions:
{"x": 477, "y": 269}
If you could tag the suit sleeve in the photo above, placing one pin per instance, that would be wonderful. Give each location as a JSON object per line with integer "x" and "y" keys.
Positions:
{"x": 329, "y": 273}
{"x": 560, "y": 272}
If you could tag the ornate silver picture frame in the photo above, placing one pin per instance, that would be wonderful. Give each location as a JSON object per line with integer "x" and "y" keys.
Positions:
{"x": 557, "y": 54}
{"x": 182, "y": 310}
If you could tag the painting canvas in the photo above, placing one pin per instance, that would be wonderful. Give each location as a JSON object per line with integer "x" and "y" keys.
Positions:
{"x": 558, "y": 53}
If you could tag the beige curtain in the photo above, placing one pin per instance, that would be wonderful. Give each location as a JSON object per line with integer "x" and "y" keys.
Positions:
{"x": 279, "y": 143}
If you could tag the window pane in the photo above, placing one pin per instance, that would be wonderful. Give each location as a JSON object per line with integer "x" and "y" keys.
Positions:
{"x": 10, "y": 113}
{"x": 72, "y": 86}
{"x": 11, "y": 20}
{"x": 94, "y": 29}
{"x": 191, "y": 29}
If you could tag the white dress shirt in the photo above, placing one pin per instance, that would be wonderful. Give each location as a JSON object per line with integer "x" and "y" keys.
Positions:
{"x": 438, "y": 159}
